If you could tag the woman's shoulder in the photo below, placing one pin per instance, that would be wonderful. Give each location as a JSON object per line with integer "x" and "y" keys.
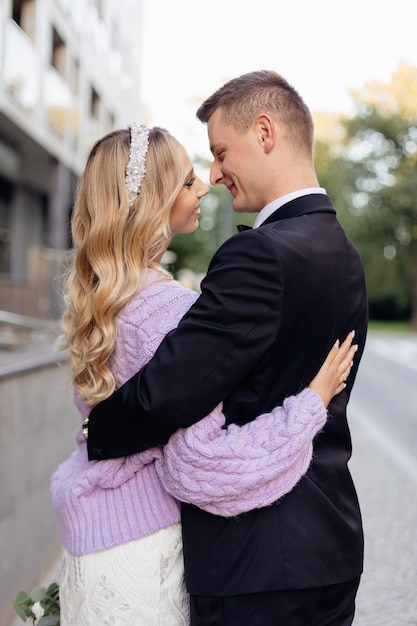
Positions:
{"x": 154, "y": 295}
{"x": 154, "y": 310}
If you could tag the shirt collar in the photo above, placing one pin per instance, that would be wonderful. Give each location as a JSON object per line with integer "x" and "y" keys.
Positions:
{"x": 279, "y": 202}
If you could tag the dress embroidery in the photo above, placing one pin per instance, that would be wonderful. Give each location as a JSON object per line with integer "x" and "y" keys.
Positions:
{"x": 135, "y": 584}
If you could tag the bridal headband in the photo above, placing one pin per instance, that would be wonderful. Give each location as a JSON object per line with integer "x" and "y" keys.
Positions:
{"x": 136, "y": 168}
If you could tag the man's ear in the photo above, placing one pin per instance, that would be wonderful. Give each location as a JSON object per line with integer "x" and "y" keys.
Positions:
{"x": 266, "y": 131}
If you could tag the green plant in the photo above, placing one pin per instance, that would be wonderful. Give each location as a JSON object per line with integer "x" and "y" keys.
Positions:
{"x": 42, "y": 605}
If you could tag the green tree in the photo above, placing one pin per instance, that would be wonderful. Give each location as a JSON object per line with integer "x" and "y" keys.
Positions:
{"x": 371, "y": 172}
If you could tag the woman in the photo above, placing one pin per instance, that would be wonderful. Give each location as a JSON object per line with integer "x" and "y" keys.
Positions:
{"x": 119, "y": 526}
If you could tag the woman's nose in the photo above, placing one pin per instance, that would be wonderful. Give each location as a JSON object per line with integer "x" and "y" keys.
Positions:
{"x": 203, "y": 190}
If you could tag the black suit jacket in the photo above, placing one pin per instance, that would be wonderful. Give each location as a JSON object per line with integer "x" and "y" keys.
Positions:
{"x": 273, "y": 302}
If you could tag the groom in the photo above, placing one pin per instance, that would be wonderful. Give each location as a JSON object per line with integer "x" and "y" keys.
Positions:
{"x": 274, "y": 299}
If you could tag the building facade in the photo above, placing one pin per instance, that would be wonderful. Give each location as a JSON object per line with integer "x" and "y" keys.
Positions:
{"x": 69, "y": 73}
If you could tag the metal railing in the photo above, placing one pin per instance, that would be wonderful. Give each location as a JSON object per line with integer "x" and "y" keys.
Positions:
{"x": 18, "y": 330}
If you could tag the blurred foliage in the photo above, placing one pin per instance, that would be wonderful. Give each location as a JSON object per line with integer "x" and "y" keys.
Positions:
{"x": 41, "y": 605}
{"x": 368, "y": 164}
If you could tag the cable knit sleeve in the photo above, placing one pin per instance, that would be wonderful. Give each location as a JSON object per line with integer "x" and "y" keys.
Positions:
{"x": 234, "y": 470}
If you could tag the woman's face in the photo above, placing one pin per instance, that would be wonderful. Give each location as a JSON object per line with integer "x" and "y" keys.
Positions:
{"x": 186, "y": 208}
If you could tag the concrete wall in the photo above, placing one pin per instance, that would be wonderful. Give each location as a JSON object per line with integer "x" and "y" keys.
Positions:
{"x": 37, "y": 425}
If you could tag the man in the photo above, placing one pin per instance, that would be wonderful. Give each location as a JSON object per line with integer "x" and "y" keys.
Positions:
{"x": 273, "y": 301}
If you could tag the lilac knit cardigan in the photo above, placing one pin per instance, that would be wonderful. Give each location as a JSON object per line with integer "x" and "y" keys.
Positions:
{"x": 101, "y": 504}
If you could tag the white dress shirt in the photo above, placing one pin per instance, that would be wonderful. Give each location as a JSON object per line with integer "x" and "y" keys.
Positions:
{"x": 279, "y": 202}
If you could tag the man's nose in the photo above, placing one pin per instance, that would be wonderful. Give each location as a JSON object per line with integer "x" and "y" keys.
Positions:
{"x": 216, "y": 176}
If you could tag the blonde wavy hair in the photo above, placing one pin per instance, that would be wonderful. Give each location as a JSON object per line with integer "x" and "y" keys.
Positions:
{"x": 113, "y": 247}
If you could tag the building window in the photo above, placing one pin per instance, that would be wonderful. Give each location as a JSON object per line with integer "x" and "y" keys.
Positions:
{"x": 75, "y": 79}
{"x": 95, "y": 104}
{"x": 99, "y": 6}
{"x": 24, "y": 14}
{"x": 58, "y": 53}
{"x": 6, "y": 190}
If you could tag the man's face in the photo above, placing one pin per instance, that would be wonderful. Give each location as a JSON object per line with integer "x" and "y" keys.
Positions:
{"x": 236, "y": 163}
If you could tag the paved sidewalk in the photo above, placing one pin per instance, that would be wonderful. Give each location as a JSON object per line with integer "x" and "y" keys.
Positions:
{"x": 388, "y": 496}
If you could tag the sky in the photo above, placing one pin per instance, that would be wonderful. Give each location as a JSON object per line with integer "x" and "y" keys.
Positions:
{"x": 324, "y": 48}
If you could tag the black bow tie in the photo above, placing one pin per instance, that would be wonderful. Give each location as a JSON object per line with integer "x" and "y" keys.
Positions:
{"x": 241, "y": 227}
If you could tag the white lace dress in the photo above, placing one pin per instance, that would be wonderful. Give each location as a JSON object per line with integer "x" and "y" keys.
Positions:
{"x": 140, "y": 583}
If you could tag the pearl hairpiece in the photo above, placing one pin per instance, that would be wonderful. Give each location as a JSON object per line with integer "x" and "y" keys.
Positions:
{"x": 136, "y": 168}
